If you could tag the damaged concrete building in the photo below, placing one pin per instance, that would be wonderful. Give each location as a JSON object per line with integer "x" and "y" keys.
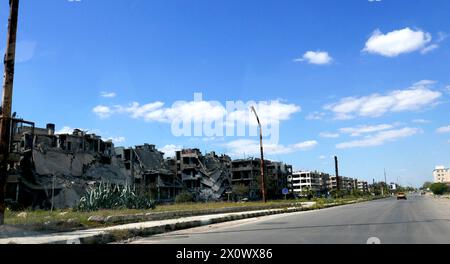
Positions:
{"x": 150, "y": 172}
{"x": 247, "y": 172}
{"x": 207, "y": 176}
{"x": 55, "y": 169}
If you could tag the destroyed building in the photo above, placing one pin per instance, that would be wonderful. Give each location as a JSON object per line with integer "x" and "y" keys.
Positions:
{"x": 150, "y": 172}
{"x": 48, "y": 169}
{"x": 277, "y": 178}
{"x": 247, "y": 172}
{"x": 207, "y": 176}
{"x": 55, "y": 170}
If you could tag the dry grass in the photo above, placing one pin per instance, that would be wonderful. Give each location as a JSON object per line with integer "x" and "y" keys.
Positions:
{"x": 59, "y": 217}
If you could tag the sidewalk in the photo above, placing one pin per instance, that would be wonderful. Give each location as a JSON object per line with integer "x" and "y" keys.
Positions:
{"x": 121, "y": 232}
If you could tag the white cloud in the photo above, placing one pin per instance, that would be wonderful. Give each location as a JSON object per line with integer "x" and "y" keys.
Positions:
{"x": 447, "y": 89}
{"x": 364, "y": 129}
{"x": 169, "y": 150}
{"x": 429, "y": 48}
{"x": 322, "y": 157}
{"x": 374, "y": 0}
{"x": 397, "y": 42}
{"x": 329, "y": 135}
{"x": 117, "y": 140}
{"x": 307, "y": 145}
{"x": 69, "y": 130}
{"x": 380, "y": 138}
{"x": 421, "y": 121}
{"x": 65, "y": 130}
{"x": 316, "y": 57}
{"x": 251, "y": 147}
{"x": 445, "y": 129}
{"x": 103, "y": 111}
{"x": 416, "y": 97}
{"x": 198, "y": 110}
{"x": 315, "y": 116}
{"x": 108, "y": 94}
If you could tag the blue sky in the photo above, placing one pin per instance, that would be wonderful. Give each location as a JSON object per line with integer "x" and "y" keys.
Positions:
{"x": 367, "y": 81}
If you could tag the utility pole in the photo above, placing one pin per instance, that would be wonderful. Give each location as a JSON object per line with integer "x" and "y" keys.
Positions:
{"x": 263, "y": 186}
{"x": 336, "y": 167}
{"x": 5, "y": 123}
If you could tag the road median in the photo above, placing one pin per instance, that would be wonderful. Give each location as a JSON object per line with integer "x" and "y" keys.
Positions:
{"x": 148, "y": 228}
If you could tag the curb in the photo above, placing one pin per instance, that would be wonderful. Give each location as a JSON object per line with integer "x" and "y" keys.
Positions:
{"x": 116, "y": 235}
{"x": 123, "y": 219}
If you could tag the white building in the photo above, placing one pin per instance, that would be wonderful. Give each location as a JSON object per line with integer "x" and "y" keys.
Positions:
{"x": 393, "y": 186}
{"x": 303, "y": 181}
{"x": 441, "y": 174}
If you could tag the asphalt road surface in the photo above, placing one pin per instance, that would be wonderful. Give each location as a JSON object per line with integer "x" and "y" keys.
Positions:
{"x": 419, "y": 220}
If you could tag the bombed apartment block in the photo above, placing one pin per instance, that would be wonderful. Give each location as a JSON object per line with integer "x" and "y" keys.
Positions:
{"x": 207, "y": 176}
{"x": 345, "y": 183}
{"x": 150, "y": 172}
{"x": 247, "y": 172}
{"x": 277, "y": 178}
{"x": 48, "y": 169}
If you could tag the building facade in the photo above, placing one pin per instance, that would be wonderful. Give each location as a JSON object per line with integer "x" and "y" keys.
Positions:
{"x": 304, "y": 182}
{"x": 441, "y": 175}
{"x": 363, "y": 186}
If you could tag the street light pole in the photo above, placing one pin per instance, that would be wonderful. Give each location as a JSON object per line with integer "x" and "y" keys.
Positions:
{"x": 5, "y": 123}
{"x": 263, "y": 187}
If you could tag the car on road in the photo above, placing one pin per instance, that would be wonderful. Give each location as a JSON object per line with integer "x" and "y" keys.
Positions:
{"x": 401, "y": 196}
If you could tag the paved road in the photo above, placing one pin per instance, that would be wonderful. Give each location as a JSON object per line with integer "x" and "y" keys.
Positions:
{"x": 417, "y": 220}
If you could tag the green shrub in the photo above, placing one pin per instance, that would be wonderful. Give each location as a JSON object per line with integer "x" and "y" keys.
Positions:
{"x": 107, "y": 196}
{"x": 184, "y": 197}
{"x": 439, "y": 188}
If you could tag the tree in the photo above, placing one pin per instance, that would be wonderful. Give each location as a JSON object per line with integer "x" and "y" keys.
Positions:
{"x": 426, "y": 185}
{"x": 184, "y": 197}
{"x": 439, "y": 188}
{"x": 240, "y": 190}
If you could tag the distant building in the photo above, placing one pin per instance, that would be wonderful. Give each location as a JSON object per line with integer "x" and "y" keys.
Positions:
{"x": 441, "y": 175}
{"x": 363, "y": 186}
{"x": 277, "y": 176}
{"x": 345, "y": 183}
{"x": 393, "y": 186}
{"x": 304, "y": 181}
{"x": 247, "y": 172}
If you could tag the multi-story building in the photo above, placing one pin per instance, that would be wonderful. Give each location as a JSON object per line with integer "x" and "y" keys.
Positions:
{"x": 304, "y": 181}
{"x": 277, "y": 176}
{"x": 247, "y": 172}
{"x": 55, "y": 169}
{"x": 363, "y": 186}
{"x": 441, "y": 175}
{"x": 149, "y": 171}
{"x": 207, "y": 176}
{"x": 345, "y": 183}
